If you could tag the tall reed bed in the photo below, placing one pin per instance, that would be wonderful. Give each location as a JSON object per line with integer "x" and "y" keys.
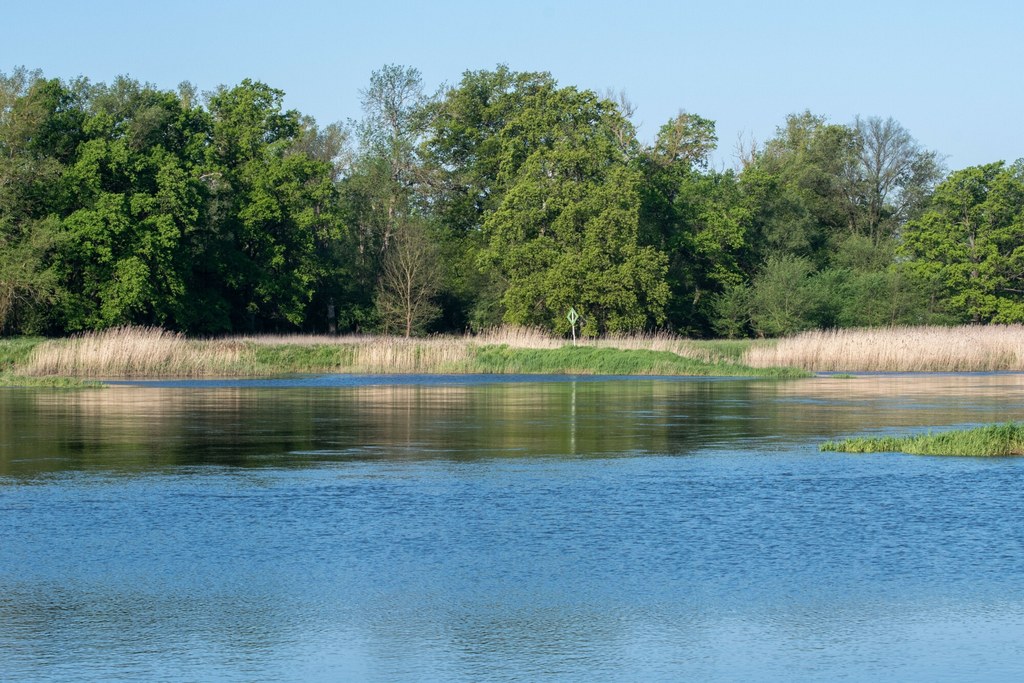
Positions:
{"x": 897, "y": 349}
{"x": 132, "y": 351}
{"x": 151, "y": 352}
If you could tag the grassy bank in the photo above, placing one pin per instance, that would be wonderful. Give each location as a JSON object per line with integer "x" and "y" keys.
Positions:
{"x": 21, "y": 381}
{"x": 979, "y": 348}
{"x": 610, "y": 361}
{"x": 142, "y": 352}
{"x": 16, "y": 352}
{"x": 992, "y": 440}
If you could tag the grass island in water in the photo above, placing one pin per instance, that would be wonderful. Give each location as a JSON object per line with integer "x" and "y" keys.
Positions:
{"x": 991, "y": 440}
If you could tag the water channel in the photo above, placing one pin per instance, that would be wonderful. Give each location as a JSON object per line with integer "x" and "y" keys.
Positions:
{"x": 505, "y": 529}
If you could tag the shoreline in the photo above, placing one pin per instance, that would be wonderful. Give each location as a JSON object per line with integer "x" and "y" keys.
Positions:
{"x": 154, "y": 353}
{"x": 132, "y": 352}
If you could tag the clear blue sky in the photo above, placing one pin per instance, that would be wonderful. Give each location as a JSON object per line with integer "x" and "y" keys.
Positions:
{"x": 951, "y": 72}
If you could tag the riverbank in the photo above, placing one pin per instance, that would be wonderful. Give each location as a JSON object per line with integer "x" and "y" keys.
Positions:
{"x": 998, "y": 440}
{"x": 22, "y": 382}
{"x": 16, "y": 352}
{"x": 148, "y": 352}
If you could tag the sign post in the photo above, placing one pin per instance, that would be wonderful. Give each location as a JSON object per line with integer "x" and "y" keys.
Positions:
{"x": 573, "y": 316}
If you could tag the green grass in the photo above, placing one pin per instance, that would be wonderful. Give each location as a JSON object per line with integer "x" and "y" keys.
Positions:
{"x": 9, "y": 380}
{"x": 267, "y": 359}
{"x": 495, "y": 359}
{"x": 606, "y": 361}
{"x": 991, "y": 440}
{"x": 16, "y": 350}
{"x": 728, "y": 349}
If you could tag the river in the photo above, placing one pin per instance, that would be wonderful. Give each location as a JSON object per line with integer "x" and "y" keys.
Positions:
{"x": 507, "y": 529}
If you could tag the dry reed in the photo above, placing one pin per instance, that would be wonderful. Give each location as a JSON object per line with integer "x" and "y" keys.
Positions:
{"x": 399, "y": 354}
{"x": 898, "y": 349}
{"x": 132, "y": 351}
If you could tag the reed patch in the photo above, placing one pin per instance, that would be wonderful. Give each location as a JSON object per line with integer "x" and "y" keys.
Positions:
{"x": 966, "y": 348}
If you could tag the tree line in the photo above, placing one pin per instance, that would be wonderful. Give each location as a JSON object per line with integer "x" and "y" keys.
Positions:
{"x": 505, "y": 198}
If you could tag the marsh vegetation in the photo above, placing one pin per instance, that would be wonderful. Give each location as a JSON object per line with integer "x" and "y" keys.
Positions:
{"x": 964, "y": 348}
{"x": 998, "y": 440}
{"x": 151, "y": 352}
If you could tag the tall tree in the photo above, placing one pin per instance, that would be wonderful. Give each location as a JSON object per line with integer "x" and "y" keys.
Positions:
{"x": 969, "y": 245}
{"x": 138, "y": 198}
{"x": 388, "y": 170}
{"x": 698, "y": 218}
{"x": 468, "y": 136}
{"x": 890, "y": 178}
{"x": 463, "y": 150}
{"x": 566, "y": 231}
{"x": 273, "y": 202}
{"x": 797, "y": 185}
{"x": 40, "y": 129}
{"x": 382, "y": 188}
{"x": 686, "y": 141}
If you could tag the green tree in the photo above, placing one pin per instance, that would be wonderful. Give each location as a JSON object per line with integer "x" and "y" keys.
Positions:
{"x": 136, "y": 197}
{"x": 698, "y": 218}
{"x": 467, "y": 135}
{"x": 797, "y": 187}
{"x": 686, "y": 141}
{"x": 381, "y": 190}
{"x": 388, "y": 164}
{"x": 273, "y": 204}
{"x": 566, "y": 231}
{"x": 783, "y": 297}
{"x": 731, "y": 311}
{"x": 874, "y": 288}
{"x": 26, "y": 281}
{"x": 32, "y": 151}
{"x": 970, "y": 243}
{"x": 122, "y": 203}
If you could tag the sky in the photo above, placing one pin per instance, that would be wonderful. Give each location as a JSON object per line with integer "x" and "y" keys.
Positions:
{"x": 952, "y": 73}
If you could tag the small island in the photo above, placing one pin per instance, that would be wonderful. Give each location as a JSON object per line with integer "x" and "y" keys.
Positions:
{"x": 998, "y": 440}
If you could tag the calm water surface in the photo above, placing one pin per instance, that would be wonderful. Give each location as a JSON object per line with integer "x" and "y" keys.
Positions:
{"x": 462, "y": 529}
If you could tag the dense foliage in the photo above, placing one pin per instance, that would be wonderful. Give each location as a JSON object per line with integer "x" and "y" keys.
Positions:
{"x": 503, "y": 198}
